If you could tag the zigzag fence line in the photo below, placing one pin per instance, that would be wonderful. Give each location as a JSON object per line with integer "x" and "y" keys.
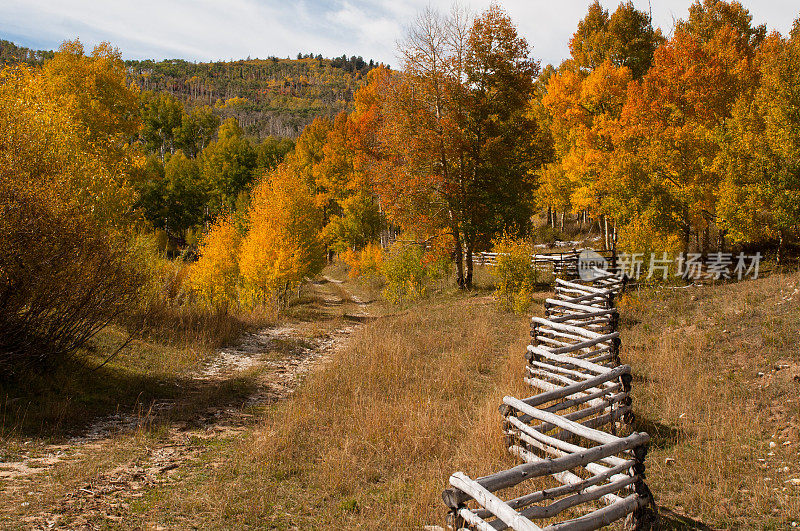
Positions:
{"x": 569, "y": 431}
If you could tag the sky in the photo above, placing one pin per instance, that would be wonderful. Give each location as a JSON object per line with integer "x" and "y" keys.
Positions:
{"x": 204, "y": 30}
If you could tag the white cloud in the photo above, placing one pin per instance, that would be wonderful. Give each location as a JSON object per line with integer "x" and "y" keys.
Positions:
{"x": 211, "y": 29}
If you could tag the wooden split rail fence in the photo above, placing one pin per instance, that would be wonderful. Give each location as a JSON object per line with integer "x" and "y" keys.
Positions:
{"x": 570, "y": 431}
{"x": 561, "y": 264}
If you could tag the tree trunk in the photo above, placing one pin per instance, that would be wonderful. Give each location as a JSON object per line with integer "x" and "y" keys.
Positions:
{"x": 613, "y": 247}
{"x": 468, "y": 279}
{"x": 459, "y": 258}
{"x": 687, "y": 237}
{"x": 549, "y": 216}
{"x": 563, "y": 213}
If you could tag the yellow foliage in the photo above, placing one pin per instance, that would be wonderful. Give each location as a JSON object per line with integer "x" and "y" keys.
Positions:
{"x": 215, "y": 276}
{"x": 64, "y": 273}
{"x": 283, "y": 244}
{"x": 515, "y": 273}
{"x": 584, "y": 110}
{"x": 641, "y": 236}
{"x": 51, "y": 140}
{"x": 405, "y": 273}
{"x": 234, "y": 102}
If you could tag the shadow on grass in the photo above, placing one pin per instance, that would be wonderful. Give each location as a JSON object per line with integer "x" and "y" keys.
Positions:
{"x": 626, "y": 321}
{"x": 65, "y": 401}
{"x": 661, "y": 435}
{"x": 671, "y": 521}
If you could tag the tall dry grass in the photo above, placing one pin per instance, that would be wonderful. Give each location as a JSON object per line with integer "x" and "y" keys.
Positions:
{"x": 170, "y": 310}
{"x": 371, "y": 438}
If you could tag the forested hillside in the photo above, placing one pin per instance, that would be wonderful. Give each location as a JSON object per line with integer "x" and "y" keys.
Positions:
{"x": 269, "y": 97}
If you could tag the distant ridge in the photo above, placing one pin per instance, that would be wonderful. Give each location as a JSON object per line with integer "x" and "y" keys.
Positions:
{"x": 272, "y": 96}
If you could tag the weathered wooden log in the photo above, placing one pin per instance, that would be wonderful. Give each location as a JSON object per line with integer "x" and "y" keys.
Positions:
{"x": 590, "y": 494}
{"x": 558, "y": 383}
{"x": 546, "y": 341}
{"x": 593, "y": 409}
{"x": 601, "y": 517}
{"x": 567, "y": 339}
{"x": 623, "y": 412}
{"x": 555, "y": 355}
{"x": 601, "y": 294}
{"x": 474, "y": 520}
{"x": 574, "y": 402}
{"x": 522, "y": 425}
{"x": 602, "y": 339}
{"x": 454, "y": 498}
{"x": 588, "y": 300}
{"x": 559, "y": 421}
{"x": 612, "y": 415}
{"x": 562, "y": 490}
{"x": 600, "y": 315}
{"x": 555, "y": 446}
{"x": 560, "y": 369}
{"x": 559, "y": 378}
{"x": 550, "y": 304}
{"x": 557, "y": 394}
{"x": 495, "y": 505}
{"x": 581, "y": 319}
{"x": 569, "y": 293}
{"x": 584, "y": 287}
{"x": 562, "y": 327}
{"x": 558, "y": 330}
{"x": 569, "y": 478}
{"x": 606, "y": 359}
{"x": 589, "y": 354}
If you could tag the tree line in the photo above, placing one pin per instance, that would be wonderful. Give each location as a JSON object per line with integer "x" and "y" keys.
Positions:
{"x": 679, "y": 142}
{"x": 277, "y": 97}
{"x": 686, "y": 142}
{"x": 671, "y": 143}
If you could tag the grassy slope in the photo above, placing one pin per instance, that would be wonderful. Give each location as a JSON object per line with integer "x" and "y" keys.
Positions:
{"x": 734, "y": 436}
{"x": 368, "y": 438}
{"x": 63, "y": 400}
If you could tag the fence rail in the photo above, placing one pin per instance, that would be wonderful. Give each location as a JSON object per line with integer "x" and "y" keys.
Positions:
{"x": 569, "y": 430}
{"x": 560, "y": 264}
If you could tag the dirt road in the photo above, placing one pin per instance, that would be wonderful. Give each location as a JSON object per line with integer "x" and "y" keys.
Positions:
{"x": 263, "y": 367}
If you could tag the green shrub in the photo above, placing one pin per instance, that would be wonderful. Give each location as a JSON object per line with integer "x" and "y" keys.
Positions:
{"x": 516, "y": 276}
{"x": 405, "y": 273}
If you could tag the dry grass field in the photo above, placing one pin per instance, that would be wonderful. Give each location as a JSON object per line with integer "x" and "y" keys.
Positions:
{"x": 371, "y": 435}
{"x": 717, "y": 383}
